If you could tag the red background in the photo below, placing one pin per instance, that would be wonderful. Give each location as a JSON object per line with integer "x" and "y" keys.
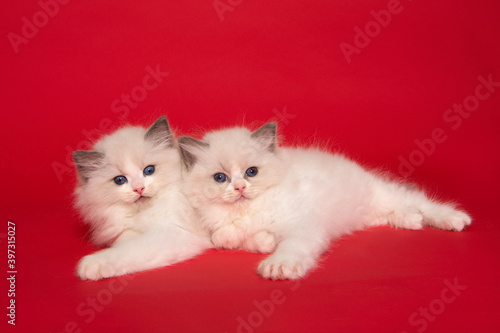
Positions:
{"x": 262, "y": 59}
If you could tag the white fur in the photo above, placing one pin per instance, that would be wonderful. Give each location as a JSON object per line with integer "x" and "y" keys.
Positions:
{"x": 153, "y": 232}
{"x": 298, "y": 202}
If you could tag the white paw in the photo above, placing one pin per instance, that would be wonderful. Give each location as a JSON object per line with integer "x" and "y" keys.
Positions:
{"x": 457, "y": 221}
{"x": 95, "y": 267}
{"x": 277, "y": 267}
{"x": 262, "y": 241}
{"x": 228, "y": 237}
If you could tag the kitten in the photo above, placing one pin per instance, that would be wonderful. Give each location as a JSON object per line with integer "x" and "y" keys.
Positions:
{"x": 129, "y": 192}
{"x": 254, "y": 195}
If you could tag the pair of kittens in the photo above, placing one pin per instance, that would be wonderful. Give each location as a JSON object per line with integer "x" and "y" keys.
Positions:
{"x": 155, "y": 200}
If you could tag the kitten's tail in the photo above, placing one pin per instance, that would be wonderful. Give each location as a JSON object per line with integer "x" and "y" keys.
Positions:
{"x": 408, "y": 207}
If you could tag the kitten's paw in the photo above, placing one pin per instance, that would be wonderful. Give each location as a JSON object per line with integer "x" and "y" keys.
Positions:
{"x": 456, "y": 220}
{"x": 95, "y": 267}
{"x": 227, "y": 237}
{"x": 262, "y": 241}
{"x": 459, "y": 220}
{"x": 283, "y": 268}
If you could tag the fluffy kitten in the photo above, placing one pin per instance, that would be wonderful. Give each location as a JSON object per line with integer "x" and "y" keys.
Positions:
{"x": 129, "y": 192}
{"x": 254, "y": 195}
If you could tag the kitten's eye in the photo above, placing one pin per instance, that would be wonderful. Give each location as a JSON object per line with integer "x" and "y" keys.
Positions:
{"x": 220, "y": 177}
{"x": 120, "y": 180}
{"x": 149, "y": 170}
{"x": 251, "y": 172}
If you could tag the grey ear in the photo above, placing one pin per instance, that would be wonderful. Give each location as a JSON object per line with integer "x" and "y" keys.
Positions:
{"x": 87, "y": 162}
{"x": 266, "y": 136}
{"x": 159, "y": 133}
{"x": 189, "y": 147}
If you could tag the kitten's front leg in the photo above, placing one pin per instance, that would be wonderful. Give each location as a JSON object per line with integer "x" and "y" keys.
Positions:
{"x": 148, "y": 251}
{"x": 98, "y": 265}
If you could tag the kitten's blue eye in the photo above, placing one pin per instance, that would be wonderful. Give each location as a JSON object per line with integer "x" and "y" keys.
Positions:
{"x": 220, "y": 177}
{"x": 149, "y": 170}
{"x": 120, "y": 180}
{"x": 251, "y": 172}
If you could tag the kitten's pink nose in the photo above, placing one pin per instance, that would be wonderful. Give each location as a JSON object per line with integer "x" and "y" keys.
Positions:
{"x": 139, "y": 189}
{"x": 239, "y": 186}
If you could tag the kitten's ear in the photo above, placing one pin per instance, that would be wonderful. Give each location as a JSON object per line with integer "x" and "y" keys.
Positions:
{"x": 159, "y": 133}
{"x": 87, "y": 162}
{"x": 266, "y": 136}
{"x": 190, "y": 147}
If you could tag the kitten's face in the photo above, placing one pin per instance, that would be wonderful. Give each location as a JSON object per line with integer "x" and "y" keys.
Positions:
{"x": 232, "y": 166}
{"x": 130, "y": 166}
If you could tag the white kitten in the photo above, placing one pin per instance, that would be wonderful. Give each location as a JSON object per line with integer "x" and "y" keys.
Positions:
{"x": 129, "y": 192}
{"x": 254, "y": 195}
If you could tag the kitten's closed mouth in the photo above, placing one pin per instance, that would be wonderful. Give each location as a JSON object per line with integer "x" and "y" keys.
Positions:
{"x": 242, "y": 198}
{"x": 142, "y": 198}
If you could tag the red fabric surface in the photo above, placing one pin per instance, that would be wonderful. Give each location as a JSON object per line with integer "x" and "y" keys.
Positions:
{"x": 389, "y": 93}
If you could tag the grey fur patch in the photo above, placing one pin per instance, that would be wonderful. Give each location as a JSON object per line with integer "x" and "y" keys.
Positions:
{"x": 266, "y": 136}
{"x": 159, "y": 133}
{"x": 87, "y": 162}
{"x": 187, "y": 146}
